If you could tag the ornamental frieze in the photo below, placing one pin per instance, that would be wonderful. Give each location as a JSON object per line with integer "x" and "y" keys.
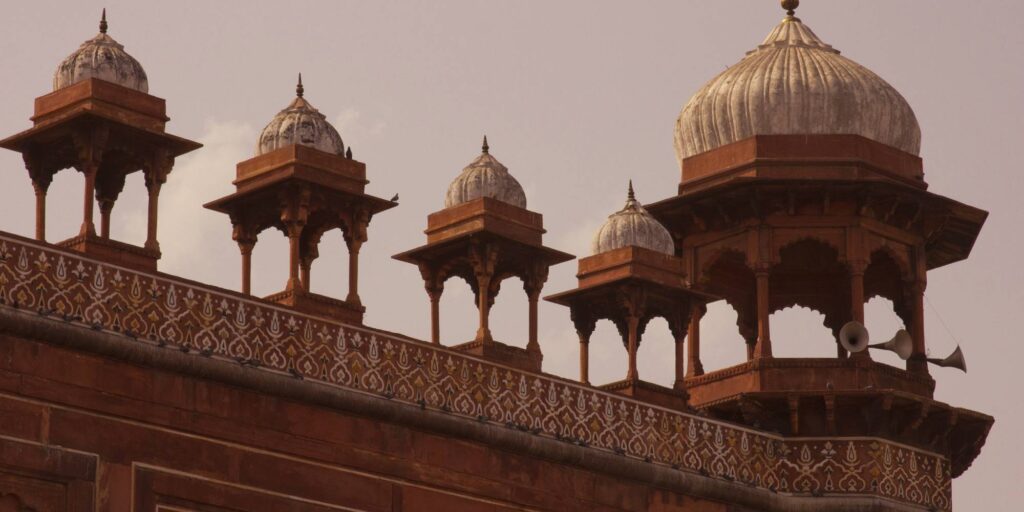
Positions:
{"x": 174, "y": 314}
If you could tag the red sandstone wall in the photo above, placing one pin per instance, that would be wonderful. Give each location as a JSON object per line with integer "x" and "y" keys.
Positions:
{"x": 80, "y": 432}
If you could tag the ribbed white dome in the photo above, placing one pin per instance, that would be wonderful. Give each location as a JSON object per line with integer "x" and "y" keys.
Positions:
{"x": 794, "y": 83}
{"x": 300, "y": 123}
{"x": 102, "y": 58}
{"x": 485, "y": 177}
{"x": 632, "y": 226}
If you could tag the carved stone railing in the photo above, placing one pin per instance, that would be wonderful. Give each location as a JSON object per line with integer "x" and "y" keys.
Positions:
{"x": 206, "y": 321}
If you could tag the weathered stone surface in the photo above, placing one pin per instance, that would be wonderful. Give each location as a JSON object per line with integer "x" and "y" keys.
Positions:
{"x": 794, "y": 83}
{"x": 632, "y": 226}
{"x": 485, "y": 177}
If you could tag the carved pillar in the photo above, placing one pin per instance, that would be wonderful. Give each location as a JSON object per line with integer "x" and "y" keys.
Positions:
{"x": 41, "y": 180}
{"x": 305, "y": 268}
{"x": 632, "y": 344}
{"x": 694, "y": 367}
{"x": 108, "y": 187}
{"x": 294, "y": 214}
{"x": 584, "y": 357}
{"x": 156, "y": 176}
{"x": 918, "y": 357}
{"x": 634, "y": 300}
{"x": 484, "y": 258}
{"x": 763, "y": 349}
{"x": 533, "y": 283}
{"x": 857, "y": 269}
{"x": 294, "y": 230}
{"x": 89, "y": 169}
{"x": 433, "y": 281}
{"x": 40, "y": 187}
{"x": 246, "y": 248}
{"x": 354, "y": 242}
{"x": 435, "y": 314}
{"x": 106, "y": 206}
{"x": 678, "y": 326}
{"x": 246, "y": 242}
{"x": 89, "y": 145}
{"x": 585, "y": 325}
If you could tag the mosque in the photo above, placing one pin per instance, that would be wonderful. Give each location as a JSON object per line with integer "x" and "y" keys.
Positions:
{"x": 124, "y": 388}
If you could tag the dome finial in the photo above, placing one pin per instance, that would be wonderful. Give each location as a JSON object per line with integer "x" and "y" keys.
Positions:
{"x": 103, "y": 21}
{"x": 299, "y": 90}
{"x": 486, "y": 148}
{"x": 630, "y": 196}
{"x": 790, "y": 6}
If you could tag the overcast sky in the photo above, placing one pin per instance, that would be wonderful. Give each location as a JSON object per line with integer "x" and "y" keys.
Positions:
{"x": 576, "y": 98}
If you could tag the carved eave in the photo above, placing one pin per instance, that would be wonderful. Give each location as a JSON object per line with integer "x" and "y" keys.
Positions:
{"x": 518, "y": 233}
{"x": 127, "y": 114}
{"x": 337, "y": 182}
{"x": 601, "y": 276}
{"x": 947, "y": 227}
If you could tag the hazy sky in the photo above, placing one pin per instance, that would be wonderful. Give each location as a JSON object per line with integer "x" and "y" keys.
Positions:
{"x": 576, "y": 98}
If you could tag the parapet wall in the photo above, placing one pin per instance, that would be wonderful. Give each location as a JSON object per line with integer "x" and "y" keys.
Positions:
{"x": 162, "y": 313}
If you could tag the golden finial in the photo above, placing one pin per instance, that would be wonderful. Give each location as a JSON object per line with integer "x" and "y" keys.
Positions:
{"x": 103, "y": 21}
{"x": 299, "y": 90}
{"x": 485, "y": 147}
{"x": 790, "y": 6}
{"x": 630, "y": 196}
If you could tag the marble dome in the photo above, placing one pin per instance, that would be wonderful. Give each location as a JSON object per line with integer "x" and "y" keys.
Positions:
{"x": 300, "y": 123}
{"x": 485, "y": 177}
{"x": 102, "y": 58}
{"x": 632, "y": 226}
{"x": 794, "y": 83}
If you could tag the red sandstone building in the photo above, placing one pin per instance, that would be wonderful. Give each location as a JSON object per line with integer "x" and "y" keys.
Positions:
{"x": 122, "y": 388}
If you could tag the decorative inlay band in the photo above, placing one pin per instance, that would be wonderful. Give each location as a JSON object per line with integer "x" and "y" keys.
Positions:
{"x": 174, "y": 314}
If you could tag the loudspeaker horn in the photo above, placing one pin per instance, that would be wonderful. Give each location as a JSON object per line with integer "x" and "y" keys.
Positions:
{"x": 954, "y": 360}
{"x": 853, "y": 336}
{"x": 902, "y": 344}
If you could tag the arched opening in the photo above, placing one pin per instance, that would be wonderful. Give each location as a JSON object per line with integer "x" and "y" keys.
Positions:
{"x": 656, "y": 355}
{"x": 799, "y": 331}
{"x": 721, "y": 344}
{"x": 269, "y": 263}
{"x": 329, "y": 273}
{"x": 882, "y": 322}
{"x": 130, "y": 216}
{"x": 458, "y": 312}
{"x": 64, "y": 205}
{"x": 810, "y": 275}
{"x": 608, "y": 359}
{"x": 885, "y": 277}
{"x": 510, "y": 314}
{"x": 730, "y": 324}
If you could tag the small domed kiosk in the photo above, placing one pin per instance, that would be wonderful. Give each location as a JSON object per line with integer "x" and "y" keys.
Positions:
{"x": 101, "y": 121}
{"x": 304, "y": 182}
{"x": 485, "y": 235}
{"x": 632, "y": 277}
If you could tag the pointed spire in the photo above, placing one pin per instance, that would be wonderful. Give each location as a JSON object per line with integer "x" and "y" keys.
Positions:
{"x": 630, "y": 196}
{"x": 790, "y": 6}
{"x": 299, "y": 90}
{"x": 486, "y": 148}
{"x": 103, "y": 21}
